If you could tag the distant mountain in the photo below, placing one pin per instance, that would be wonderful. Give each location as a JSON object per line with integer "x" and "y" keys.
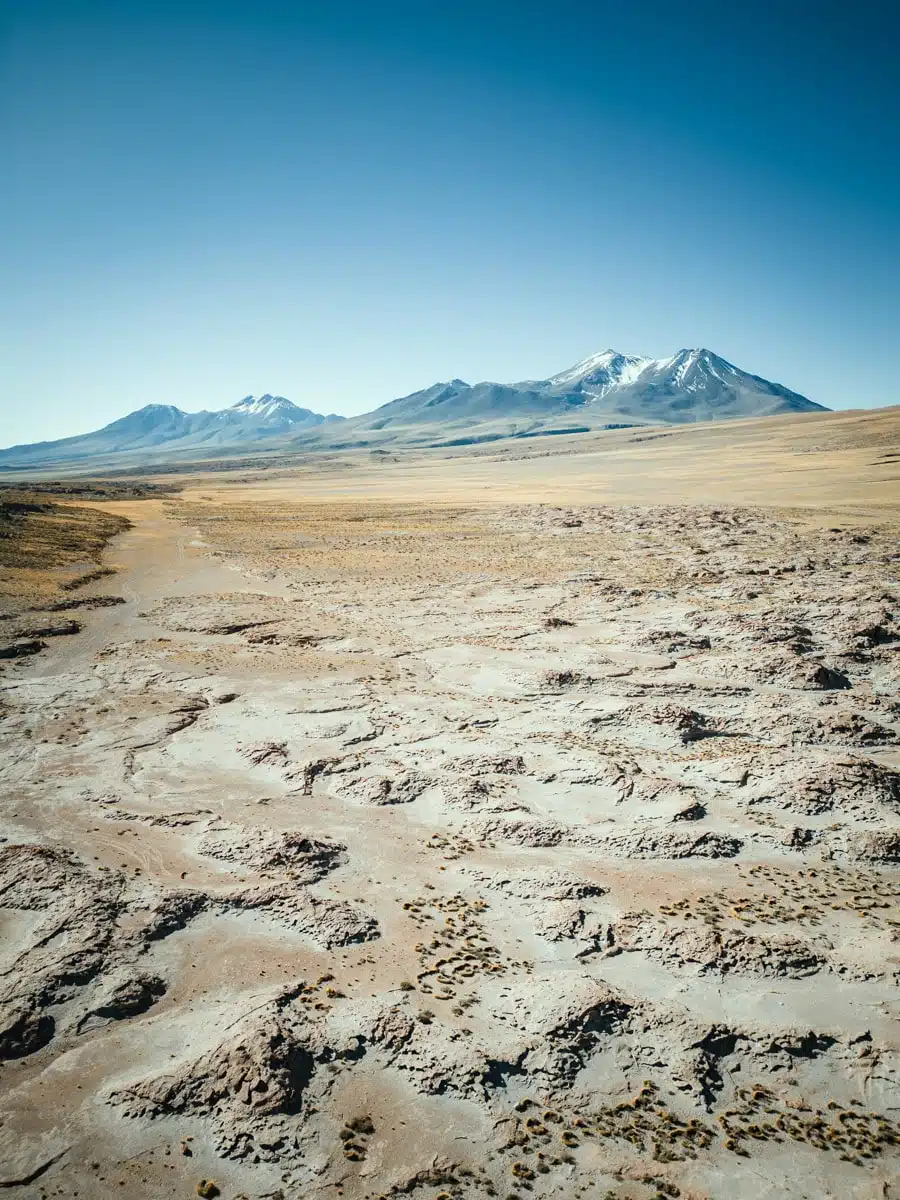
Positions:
{"x": 692, "y": 385}
{"x": 605, "y": 390}
{"x": 460, "y": 401}
{"x": 163, "y": 428}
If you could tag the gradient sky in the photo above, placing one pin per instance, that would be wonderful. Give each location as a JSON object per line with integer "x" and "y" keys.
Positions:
{"x": 344, "y": 202}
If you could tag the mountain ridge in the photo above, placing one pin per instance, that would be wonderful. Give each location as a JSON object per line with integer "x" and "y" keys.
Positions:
{"x": 605, "y": 390}
{"x": 252, "y": 419}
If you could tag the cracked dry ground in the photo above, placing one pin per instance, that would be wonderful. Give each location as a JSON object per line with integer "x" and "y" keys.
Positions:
{"x": 511, "y": 852}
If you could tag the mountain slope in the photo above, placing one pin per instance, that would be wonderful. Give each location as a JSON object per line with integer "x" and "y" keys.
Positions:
{"x": 460, "y": 402}
{"x": 163, "y": 426}
{"x": 605, "y": 389}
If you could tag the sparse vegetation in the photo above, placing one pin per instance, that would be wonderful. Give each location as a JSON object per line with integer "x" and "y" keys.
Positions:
{"x": 40, "y": 539}
{"x": 513, "y": 892}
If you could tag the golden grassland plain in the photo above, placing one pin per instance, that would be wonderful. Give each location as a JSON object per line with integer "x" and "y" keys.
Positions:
{"x": 49, "y": 542}
{"x": 43, "y": 543}
{"x": 517, "y": 822}
{"x": 810, "y": 460}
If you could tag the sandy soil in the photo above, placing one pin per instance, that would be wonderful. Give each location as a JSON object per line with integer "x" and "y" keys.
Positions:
{"x": 399, "y": 836}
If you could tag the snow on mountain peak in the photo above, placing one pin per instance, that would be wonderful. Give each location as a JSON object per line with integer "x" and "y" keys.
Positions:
{"x": 601, "y": 359}
{"x": 264, "y": 405}
{"x": 693, "y": 369}
{"x": 599, "y": 372}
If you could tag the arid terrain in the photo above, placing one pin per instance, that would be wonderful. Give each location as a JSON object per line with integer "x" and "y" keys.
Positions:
{"x": 521, "y": 822}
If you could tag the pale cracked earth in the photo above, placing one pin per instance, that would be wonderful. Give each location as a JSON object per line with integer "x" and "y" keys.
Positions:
{"x": 370, "y": 850}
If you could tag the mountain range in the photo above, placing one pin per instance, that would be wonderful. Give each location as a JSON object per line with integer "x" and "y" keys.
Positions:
{"x": 147, "y": 431}
{"x": 605, "y": 390}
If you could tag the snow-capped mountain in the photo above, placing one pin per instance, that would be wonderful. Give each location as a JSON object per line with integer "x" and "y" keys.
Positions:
{"x": 156, "y": 428}
{"x": 263, "y": 406}
{"x": 598, "y": 373}
{"x": 273, "y": 414}
{"x": 606, "y": 389}
{"x": 692, "y": 385}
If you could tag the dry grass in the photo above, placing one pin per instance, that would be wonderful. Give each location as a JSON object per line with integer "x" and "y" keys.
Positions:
{"x": 410, "y": 543}
{"x": 42, "y": 541}
{"x": 843, "y": 461}
{"x": 92, "y": 489}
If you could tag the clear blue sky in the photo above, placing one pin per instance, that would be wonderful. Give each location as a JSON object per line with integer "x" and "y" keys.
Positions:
{"x": 344, "y": 202}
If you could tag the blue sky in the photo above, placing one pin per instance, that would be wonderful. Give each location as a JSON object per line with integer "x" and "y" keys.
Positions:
{"x": 344, "y": 202}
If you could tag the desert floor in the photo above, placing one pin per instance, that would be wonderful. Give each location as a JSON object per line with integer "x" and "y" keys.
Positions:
{"x": 517, "y": 823}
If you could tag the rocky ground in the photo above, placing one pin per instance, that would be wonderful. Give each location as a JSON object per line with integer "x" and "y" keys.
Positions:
{"x": 523, "y": 851}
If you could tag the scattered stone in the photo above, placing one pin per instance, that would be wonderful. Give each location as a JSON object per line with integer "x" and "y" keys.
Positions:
{"x": 22, "y": 649}
{"x": 304, "y": 859}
